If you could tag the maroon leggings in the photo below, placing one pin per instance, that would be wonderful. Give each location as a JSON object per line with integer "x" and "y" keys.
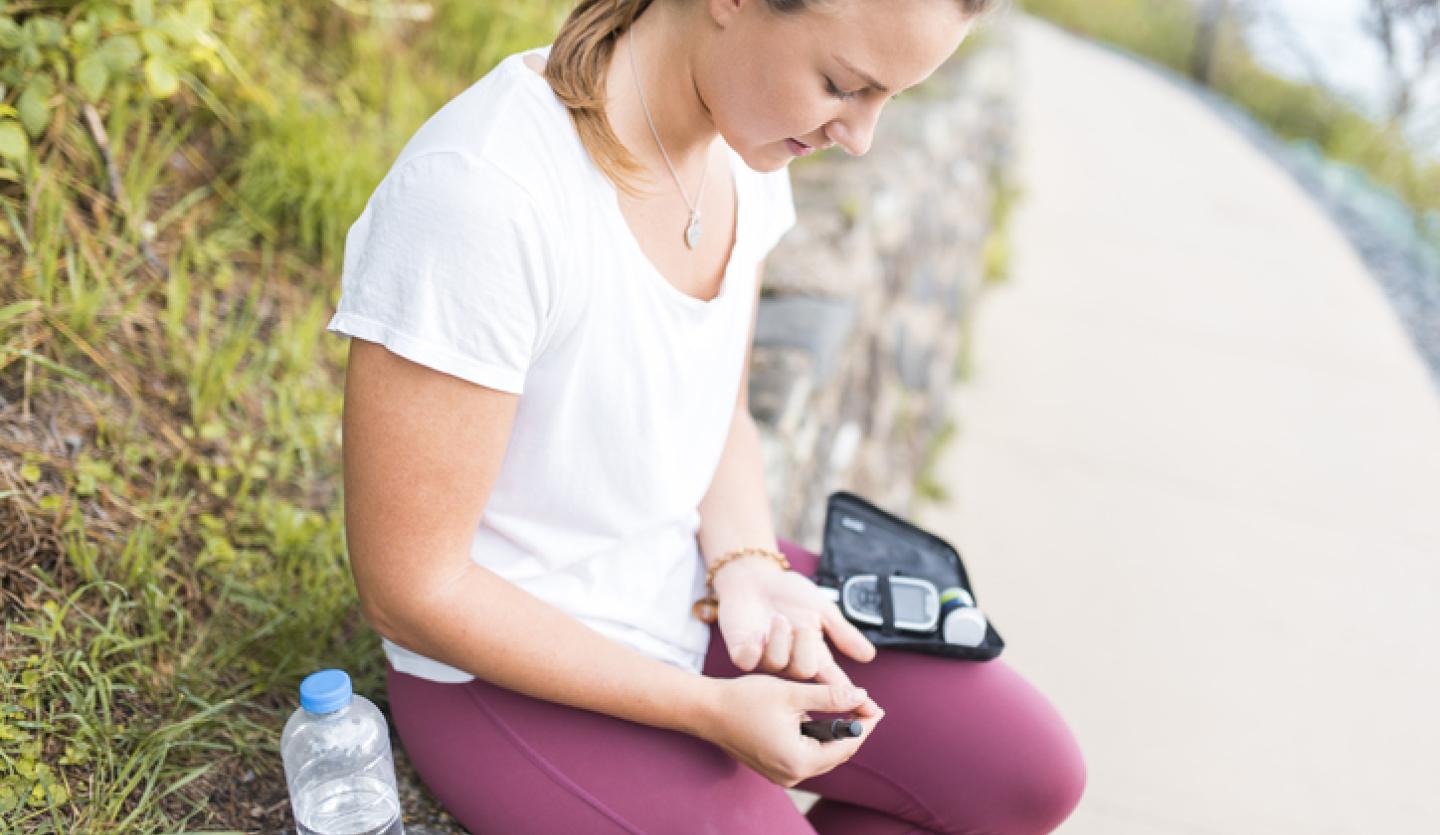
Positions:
{"x": 965, "y": 747}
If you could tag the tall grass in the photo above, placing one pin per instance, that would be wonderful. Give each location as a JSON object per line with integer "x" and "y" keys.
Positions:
{"x": 172, "y": 555}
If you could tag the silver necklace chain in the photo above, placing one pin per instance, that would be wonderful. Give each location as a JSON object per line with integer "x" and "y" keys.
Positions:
{"x": 692, "y": 230}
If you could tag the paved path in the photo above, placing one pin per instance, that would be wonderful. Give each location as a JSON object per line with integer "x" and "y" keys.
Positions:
{"x": 1197, "y": 476}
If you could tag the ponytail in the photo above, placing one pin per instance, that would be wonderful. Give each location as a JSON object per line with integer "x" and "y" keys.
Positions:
{"x": 577, "y": 68}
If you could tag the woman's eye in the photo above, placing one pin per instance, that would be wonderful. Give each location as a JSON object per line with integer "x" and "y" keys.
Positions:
{"x": 837, "y": 92}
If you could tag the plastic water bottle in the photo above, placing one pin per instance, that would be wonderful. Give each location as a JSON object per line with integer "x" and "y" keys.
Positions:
{"x": 338, "y": 765}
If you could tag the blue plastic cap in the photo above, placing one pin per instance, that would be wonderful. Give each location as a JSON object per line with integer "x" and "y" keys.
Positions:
{"x": 325, "y": 691}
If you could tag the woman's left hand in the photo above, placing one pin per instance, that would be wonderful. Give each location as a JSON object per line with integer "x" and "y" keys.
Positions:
{"x": 778, "y": 619}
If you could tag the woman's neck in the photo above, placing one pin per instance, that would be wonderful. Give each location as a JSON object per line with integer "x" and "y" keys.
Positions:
{"x": 663, "y": 40}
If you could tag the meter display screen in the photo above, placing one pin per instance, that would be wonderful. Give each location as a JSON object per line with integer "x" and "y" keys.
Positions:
{"x": 909, "y": 602}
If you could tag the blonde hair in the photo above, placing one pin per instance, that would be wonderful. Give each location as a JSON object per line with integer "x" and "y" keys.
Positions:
{"x": 580, "y": 58}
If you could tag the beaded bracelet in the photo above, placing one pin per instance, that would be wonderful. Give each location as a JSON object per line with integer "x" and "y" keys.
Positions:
{"x": 707, "y": 608}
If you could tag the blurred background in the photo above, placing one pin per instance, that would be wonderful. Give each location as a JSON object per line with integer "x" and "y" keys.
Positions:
{"x": 1136, "y": 302}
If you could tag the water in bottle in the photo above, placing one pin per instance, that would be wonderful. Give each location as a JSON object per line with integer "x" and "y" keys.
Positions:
{"x": 338, "y": 764}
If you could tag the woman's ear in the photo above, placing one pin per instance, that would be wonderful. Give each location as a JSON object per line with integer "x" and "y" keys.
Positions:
{"x": 724, "y": 12}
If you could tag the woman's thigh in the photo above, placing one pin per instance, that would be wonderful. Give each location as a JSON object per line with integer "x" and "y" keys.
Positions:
{"x": 966, "y": 746}
{"x": 503, "y": 762}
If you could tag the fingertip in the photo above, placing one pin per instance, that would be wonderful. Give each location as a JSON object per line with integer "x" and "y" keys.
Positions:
{"x": 869, "y": 710}
{"x": 864, "y": 653}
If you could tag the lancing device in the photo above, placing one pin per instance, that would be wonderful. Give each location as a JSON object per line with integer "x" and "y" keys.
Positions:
{"x": 831, "y": 729}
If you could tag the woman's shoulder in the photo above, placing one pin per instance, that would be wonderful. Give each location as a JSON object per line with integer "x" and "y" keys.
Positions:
{"x": 504, "y": 126}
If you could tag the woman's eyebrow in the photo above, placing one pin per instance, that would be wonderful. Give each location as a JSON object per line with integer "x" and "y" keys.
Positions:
{"x": 863, "y": 75}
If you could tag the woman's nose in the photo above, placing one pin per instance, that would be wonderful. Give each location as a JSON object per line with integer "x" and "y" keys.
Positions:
{"x": 856, "y": 130}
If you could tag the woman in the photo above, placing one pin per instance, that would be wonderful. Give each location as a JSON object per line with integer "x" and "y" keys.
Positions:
{"x": 547, "y": 444}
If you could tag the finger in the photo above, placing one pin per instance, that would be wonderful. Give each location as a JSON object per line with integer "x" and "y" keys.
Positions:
{"x": 809, "y": 653}
{"x": 843, "y": 749}
{"x": 833, "y": 693}
{"x": 744, "y": 620}
{"x": 782, "y": 637}
{"x": 846, "y": 636}
{"x": 832, "y": 753}
{"x": 870, "y": 721}
{"x": 832, "y": 673}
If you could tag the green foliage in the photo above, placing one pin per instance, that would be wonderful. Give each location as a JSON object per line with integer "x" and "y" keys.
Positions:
{"x": 166, "y": 275}
{"x": 1161, "y": 30}
{"x": 1297, "y": 111}
{"x": 307, "y": 166}
{"x": 95, "y": 48}
{"x": 927, "y": 485}
{"x": 1164, "y": 31}
{"x": 995, "y": 255}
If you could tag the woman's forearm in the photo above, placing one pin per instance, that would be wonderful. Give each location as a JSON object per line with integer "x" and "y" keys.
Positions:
{"x": 497, "y": 631}
{"x": 493, "y": 629}
{"x": 735, "y": 512}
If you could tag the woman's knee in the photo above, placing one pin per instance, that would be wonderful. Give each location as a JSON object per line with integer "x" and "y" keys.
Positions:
{"x": 1050, "y": 788}
{"x": 1020, "y": 756}
{"x": 1030, "y": 792}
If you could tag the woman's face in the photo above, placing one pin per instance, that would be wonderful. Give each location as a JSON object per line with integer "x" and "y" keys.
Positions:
{"x": 767, "y": 79}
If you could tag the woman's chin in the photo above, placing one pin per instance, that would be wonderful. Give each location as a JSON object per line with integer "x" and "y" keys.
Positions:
{"x": 771, "y": 160}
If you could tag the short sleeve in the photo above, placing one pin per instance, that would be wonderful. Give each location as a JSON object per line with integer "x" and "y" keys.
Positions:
{"x": 779, "y": 208}
{"x": 447, "y": 267}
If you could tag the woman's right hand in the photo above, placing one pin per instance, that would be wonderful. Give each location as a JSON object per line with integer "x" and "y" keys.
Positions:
{"x": 756, "y": 719}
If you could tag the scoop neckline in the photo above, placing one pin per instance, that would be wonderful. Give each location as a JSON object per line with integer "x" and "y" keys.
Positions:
{"x": 617, "y": 217}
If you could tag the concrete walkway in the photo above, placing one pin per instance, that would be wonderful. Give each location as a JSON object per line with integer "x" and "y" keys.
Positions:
{"x": 1197, "y": 476}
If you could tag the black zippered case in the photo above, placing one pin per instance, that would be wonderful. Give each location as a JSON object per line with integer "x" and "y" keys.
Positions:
{"x": 861, "y": 538}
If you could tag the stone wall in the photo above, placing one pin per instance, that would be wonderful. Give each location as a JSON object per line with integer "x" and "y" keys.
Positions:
{"x": 865, "y": 301}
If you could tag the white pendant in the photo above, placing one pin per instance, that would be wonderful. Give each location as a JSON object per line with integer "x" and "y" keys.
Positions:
{"x": 692, "y": 232}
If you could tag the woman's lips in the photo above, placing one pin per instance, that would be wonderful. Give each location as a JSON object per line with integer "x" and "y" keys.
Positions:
{"x": 799, "y": 148}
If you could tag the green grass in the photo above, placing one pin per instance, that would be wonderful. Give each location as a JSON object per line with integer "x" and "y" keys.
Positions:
{"x": 167, "y": 582}
{"x": 995, "y": 257}
{"x": 927, "y": 485}
{"x": 1161, "y": 30}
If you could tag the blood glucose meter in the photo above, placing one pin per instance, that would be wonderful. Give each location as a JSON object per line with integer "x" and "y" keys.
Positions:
{"x": 916, "y": 601}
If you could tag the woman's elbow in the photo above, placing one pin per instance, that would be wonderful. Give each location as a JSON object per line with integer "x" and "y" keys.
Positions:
{"x": 401, "y": 612}
{"x": 381, "y": 613}
{"x": 374, "y": 573}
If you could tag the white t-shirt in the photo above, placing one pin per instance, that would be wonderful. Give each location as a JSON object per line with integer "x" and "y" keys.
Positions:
{"x": 494, "y": 250}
